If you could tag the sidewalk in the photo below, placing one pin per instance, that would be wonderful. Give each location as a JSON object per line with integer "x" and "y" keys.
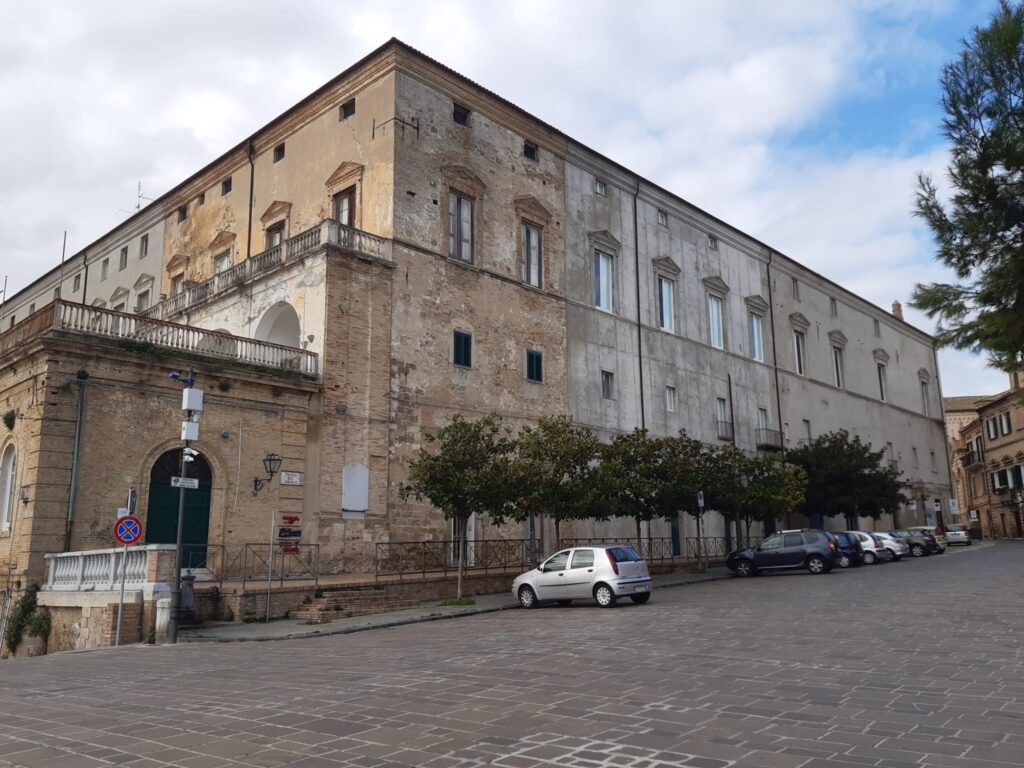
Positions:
{"x": 288, "y": 629}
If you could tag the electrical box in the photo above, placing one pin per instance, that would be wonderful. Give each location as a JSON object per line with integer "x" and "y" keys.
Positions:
{"x": 191, "y": 399}
{"x": 189, "y": 430}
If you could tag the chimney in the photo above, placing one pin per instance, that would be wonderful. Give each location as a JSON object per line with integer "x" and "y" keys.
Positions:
{"x": 897, "y": 310}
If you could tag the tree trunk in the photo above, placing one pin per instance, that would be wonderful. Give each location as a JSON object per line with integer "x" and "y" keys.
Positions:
{"x": 639, "y": 536}
{"x": 462, "y": 525}
{"x": 700, "y": 541}
{"x": 558, "y": 533}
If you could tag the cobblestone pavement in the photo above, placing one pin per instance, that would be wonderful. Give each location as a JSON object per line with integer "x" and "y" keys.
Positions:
{"x": 916, "y": 663}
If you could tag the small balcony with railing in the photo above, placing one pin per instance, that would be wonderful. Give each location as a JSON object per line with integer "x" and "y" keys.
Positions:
{"x": 767, "y": 439}
{"x": 725, "y": 430}
{"x": 135, "y": 333}
{"x": 328, "y": 234}
{"x": 971, "y": 459}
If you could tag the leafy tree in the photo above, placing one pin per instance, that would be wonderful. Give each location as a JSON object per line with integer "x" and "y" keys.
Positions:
{"x": 557, "y": 465}
{"x": 774, "y": 489}
{"x": 629, "y": 481}
{"x": 688, "y": 466}
{"x": 469, "y": 471}
{"x": 845, "y": 477}
{"x": 723, "y": 486}
{"x": 980, "y": 235}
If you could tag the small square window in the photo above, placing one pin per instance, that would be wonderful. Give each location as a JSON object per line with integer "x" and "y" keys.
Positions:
{"x": 530, "y": 151}
{"x": 607, "y": 385}
{"x": 534, "y": 366}
{"x": 76, "y": 284}
{"x": 600, "y": 188}
{"x": 279, "y": 152}
{"x": 712, "y": 242}
{"x": 201, "y": 198}
{"x": 460, "y": 114}
{"x": 462, "y": 351}
{"x": 670, "y": 399}
{"x": 143, "y": 246}
{"x": 182, "y": 213}
{"x": 346, "y": 110}
{"x": 662, "y": 219}
{"x": 225, "y": 186}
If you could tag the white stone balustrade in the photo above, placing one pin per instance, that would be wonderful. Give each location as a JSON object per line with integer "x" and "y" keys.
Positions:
{"x": 99, "y": 570}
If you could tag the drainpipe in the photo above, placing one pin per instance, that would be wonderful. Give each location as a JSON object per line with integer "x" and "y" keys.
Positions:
{"x": 732, "y": 418}
{"x": 252, "y": 194}
{"x": 83, "y": 375}
{"x": 85, "y": 279}
{"x": 775, "y": 360}
{"x": 639, "y": 316}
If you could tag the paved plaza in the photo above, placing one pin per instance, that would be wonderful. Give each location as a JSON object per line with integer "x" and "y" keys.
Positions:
{"x": 916, "y": 663}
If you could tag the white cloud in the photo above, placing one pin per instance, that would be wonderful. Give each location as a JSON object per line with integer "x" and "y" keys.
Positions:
{"x": 701, "y": 97}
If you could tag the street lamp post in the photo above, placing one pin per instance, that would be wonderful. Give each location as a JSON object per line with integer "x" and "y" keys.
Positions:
{"x": 192, "y": 405}
{"x": 271, "y": 464}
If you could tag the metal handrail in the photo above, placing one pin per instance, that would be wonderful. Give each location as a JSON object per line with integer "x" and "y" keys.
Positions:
{"x": 399, "y": 558}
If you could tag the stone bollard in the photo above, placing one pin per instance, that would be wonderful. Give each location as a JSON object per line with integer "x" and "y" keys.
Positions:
{"x": 163, "y": 618}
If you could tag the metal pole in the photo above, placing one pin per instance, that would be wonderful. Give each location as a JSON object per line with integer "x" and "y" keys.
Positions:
{"x": 172, "y": 625}
{"x": 270, "y": 560}
{"x": 120, "y": 602}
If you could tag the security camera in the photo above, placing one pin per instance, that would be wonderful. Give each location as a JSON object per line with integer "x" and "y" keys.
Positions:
{"x": 174, "y": 375}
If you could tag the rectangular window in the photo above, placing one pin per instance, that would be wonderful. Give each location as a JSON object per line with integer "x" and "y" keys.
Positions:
{"x": 807, "y": 431}
{"x": 603, "y": 284}
{"x": 600, "y": 188}
{"x": 712, "y": 242}
{"x": 1005, "y": 427}
{"x": 76, "y": 283}
{"x": 182, "y": 214}
{"x": 796, "y": 289}
{"x": 531, "y": 151}
{"x": 460, "y": 227}
{"x": 201, "y": 199}
{"x": 800, "y": 352}
{"x": 837, "y": 366}
{"x": 119, "y": 307}
{"x": 462, "y": 351}
{"x": 607, "y": 385}
{"x": 931, "y": 455}
{"x": 721, "y": 409}
{"x": 346, "y": 110}
{"x": 275, "y": 235}
{"x": 833, "y": 307}
{"x": 460, "y": 114}
{"x": 717, "y": 331}
{"x": 762, "y": 418}
{"x": 343, "y": 207}
{"x": 32, "y": 308}
{"x": 924, "y": 397}
{"x": 122, "y": 260}
{"x": 56, "y": 293}
{"x": 222, "y": 262}
{"x": 225, "y": 186}
{"x": 532, "y": 263}
{"x": 104, "y": 269}
{"x": 177, "y": 284}
{"x": 666, "y": 304}
{"x": 757, "y": 337}
{"x": 913, "y": 452}
{"x": 878, "y": 329}
{"x": 143, "y": 246}
{"x": 534, "y": 366}
{"x": 670, "y": 399}
{"x": 979, "y": 446}
{"x": 142, "y": 301}
{"x": 881, "y": 382}
{"x": 279, "y": 152}
{"x": 662, "y": 218}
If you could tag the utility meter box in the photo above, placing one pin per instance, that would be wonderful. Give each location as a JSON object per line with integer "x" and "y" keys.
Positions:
{"x": 191, "y": 399}
{"x": 189, "y": 430}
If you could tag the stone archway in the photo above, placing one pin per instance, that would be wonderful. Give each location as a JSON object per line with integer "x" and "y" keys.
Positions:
{"x": 162, "y": 509}
{"x": 280, "y": 325}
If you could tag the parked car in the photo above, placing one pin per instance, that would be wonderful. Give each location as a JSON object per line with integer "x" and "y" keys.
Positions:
{"x": 934, "y": 531}
{"x": 816, "y": 551}
{"x": 957, "y": 533}
{"x": 603, "y": 574}
{"x": 897, "y": 547}
{"x": 920, "y": 543}
{"x": 850, "y": 551}
{"x": 874, "y": 548}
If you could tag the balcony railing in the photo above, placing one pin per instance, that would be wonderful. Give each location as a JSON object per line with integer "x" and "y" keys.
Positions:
{"x": 100, "y": 569}
{"x": 971, "y": 459}
{"x": 327, "y": 233}
{"x": 768, "y": 439}
{"x": 725, "y": 430}
{"x": 135, "y": 330}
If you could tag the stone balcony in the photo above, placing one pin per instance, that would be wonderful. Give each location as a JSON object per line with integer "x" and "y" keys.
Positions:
{"x": 138, "y": 333}
{"x": 327, "y": 234}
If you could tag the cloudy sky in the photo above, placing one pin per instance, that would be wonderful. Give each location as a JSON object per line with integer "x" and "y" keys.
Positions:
{"x": 802, "y": 123}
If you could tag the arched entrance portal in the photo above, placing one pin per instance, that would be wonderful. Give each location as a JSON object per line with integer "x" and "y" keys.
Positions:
{"x": 280, "y": 325}
{"x": 162, "y": 511}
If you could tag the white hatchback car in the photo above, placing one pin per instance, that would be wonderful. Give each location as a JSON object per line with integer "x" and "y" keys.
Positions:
{"x": 602, "y": 574}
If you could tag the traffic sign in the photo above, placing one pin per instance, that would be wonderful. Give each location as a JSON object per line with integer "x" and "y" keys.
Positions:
{"x": 128, "y": 530}
{"x": 185, "y": 482}
{"x": 700, "y": 499}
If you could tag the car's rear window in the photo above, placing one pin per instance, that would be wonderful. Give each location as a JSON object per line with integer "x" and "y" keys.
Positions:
{"x": 955, "y": 527}
{"x": 624, "y": 554}
{"x": 811, "y": 538}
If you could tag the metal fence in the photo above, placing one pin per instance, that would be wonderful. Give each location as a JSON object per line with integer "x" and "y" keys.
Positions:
{"x": 252, "y": 562}
{"x": 401, "y": 558}
{"x": 716, "y": 547}
{"x": 656, "y": 549}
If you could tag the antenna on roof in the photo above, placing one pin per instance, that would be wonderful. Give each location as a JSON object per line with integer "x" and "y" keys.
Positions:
{"x": 139, "y": 197}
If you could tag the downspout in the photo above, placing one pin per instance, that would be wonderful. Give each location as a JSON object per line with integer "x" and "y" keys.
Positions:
{"x": 72, "y": 494}
{"x": 775, "y": 361}
{"x": 85, "y": 279}
{"x": 248, "y": 236}
{"x": 732, "y": 418}
{"x": 639, "y": 316}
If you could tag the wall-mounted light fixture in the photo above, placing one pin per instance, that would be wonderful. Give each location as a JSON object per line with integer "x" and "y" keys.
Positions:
{"x": 271, "y": 463}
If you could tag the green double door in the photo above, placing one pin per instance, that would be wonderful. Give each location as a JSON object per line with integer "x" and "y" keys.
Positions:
{"x": 162, "y": 510}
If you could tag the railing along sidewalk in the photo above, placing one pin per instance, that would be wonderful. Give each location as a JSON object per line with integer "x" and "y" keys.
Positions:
{"x": 402, "y": 558}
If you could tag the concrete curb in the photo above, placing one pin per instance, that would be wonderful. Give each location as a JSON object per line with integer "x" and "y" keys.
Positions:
{"x": 412, "y": 620}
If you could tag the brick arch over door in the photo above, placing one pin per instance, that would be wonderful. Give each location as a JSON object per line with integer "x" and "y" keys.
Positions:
{"x": 280, "y": 325}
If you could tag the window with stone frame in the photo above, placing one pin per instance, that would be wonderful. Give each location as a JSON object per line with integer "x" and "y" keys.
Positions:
{"x": 222, "y": 262}
{"x": 460, "y": 226}
{"x": 666, "y": 304}
{"x": 604, "y": 281}
{"x": 533, "y": 261}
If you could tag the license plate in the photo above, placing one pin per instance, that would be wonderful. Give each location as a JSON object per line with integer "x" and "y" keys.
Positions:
{"x": 642, "y": 588}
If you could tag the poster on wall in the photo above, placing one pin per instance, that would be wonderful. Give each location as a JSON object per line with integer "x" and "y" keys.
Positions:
{"x": 289, "y": 533}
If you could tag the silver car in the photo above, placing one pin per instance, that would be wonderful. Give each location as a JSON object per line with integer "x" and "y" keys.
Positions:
{"x": 602, "y": 574}
{"x": 874, "y": 549}
{"x": 957, "y": 533}
{"x": 897, "y": 547}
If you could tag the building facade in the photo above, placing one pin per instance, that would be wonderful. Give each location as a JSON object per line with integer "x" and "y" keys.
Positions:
{"x": 401, "y": 246}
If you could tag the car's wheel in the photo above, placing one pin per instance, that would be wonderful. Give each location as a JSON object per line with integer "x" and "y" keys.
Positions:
{"x": 969, "y": 542}
{"x": 527, "y": 597}
{"x": 817, "y": 564}
{"x": 870, "y": 558}
{"x": 917, "y": 550}
{"x": 564, "y": 602}
{"x": 940, "y": 551}
{"x": 744, "y": 568}
{"x": 893, "y": 555}
{"x": 641, "y": 598}
{"x": 844, "y": 561}
{"x": 604, "y": 596}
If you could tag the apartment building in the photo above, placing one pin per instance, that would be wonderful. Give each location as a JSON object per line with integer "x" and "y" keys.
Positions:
{"x": 401, "y": 246}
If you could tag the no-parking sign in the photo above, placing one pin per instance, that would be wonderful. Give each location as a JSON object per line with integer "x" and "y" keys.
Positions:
{"x": 128, "y": 530}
